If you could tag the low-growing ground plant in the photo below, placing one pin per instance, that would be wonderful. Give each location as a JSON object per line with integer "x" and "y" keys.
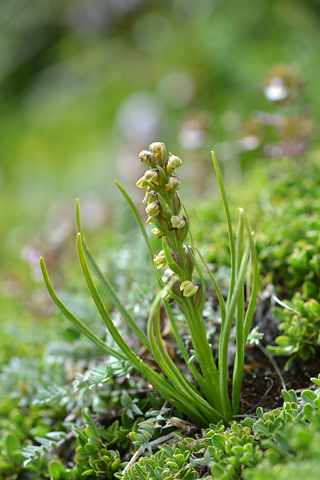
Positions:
{"x": 184, "y": 283}
{"x": 300, "y": 327}
{"x": 268, "y": 445}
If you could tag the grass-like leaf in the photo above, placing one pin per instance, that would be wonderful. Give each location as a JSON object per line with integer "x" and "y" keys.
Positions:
{"x": 109, "y": 288}
{"x": 229, "y": 225}
{"x": 128, "y": 352}
{"x": 74, "y": 320}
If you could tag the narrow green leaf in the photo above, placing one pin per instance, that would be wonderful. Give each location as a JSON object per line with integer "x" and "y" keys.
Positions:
{"x": 74, "y": 320}
{"x": 109, "y": 288}
{"x": 216, "y": 286}
{"x": 229, "y": 224}
{"x": 255, "y": 286}
{"x": 239, "y": 357}
{"x": 131, "y": 356}
{"x": 284, "y": 305}
{"x": 179, "y": 340}
{"x": 170, "y": 369}
{"x": 91, "y": 424}
{"x": 168, "y": 392}
{"x": 225, "y": 334}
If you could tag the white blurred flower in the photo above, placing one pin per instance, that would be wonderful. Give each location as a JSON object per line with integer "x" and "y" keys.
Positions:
{"x": 276, "y": 90}
{"x": 139, "y": 117}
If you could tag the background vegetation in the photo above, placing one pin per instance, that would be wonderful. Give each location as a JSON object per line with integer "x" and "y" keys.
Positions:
{"x": 84, "y": 87}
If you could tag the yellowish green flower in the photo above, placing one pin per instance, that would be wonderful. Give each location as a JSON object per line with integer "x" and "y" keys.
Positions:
{"x": 158, "y": 232}
{"x": 173, "y": 184}
{"x": 151, "y": 176}
{"x": 153, "y": 209}
{"x": 160, "y": 259}
{"x": 172, "y": 163}
{"x": 178, "y": 221}
{"x": 158, "y": 149}
{"x": 188, "y": 288}
{"x": 142, "y": 183}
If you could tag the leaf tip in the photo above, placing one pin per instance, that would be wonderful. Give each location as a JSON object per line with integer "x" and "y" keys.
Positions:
{"x": 42, "y": 264}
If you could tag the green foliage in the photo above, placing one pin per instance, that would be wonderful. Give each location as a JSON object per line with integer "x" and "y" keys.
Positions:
{"x": 92, "y": 453}
{"x": 293, "y": 451}
{"x": 11, "y": 458}
{"x": 300, "y": 324}
{"x": 49, "y": 442}
{"x": 146, "y": 429}
{"x": 273, "y": 443}
{"x": 290, "y": 247}
{"x": 97, "y": 448}
{"x": 167, "y": 462}
{"x": 164, "y": 209}
{"x": 92, "y": 456}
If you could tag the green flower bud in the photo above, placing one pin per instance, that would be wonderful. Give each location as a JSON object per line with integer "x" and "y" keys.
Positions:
{"x": 153, "y": 208}
{"x": 147, "y": 157}
{"x": 190, "y": 263}
{"x": 183, "y": 232}
{"x": 158, "y": 149}
{"x": 198, "y": 295}
{"x": 163, "y": 222}
{"x": 175, "y": 288}
{"x": 151, "y": 176}
{"x": 160, "y": 259}
{"x": 189, "y": 288}
{"x": 172, "y": 163}
{"x": 173, "y": 184}
{"x": 177, "y": 259}
{"x": 178, "y": 221}
{"x": 158, "y": 232}
{"x": 142, "y": 183}
{"x": 165, "y": 210}
{"x": 176, "y": 203}
{"x": 150, "y": 221}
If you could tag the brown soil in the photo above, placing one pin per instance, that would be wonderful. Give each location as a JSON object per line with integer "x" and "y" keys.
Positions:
{"x": 262, "y": 385}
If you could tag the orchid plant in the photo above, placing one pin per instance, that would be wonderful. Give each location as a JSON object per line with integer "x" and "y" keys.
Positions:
{"x": 203, "y": 393}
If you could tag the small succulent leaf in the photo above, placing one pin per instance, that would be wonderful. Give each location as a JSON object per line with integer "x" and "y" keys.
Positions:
{"x": 56, "y": 470}
{"x": 91, "y": 424}
{"x": 11, "y": 443}
{"x": 316, "y": 380}
{"x": 308, "y": 396}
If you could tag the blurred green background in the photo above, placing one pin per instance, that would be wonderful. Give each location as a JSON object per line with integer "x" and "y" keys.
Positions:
{"x": 86, "y": 85}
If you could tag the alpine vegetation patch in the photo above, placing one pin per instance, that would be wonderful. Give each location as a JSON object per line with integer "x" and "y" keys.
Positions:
{"x": 204, "y": 394}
